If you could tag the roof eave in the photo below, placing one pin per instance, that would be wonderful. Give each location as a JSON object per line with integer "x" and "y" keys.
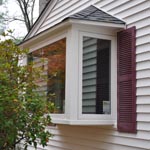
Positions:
{"x": 45, "y": 33}
{"x": 68, "y": 22}
{"x": 97, "y": 23}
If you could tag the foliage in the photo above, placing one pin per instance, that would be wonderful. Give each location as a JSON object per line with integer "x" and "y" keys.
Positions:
{"x": 22, "y": 109}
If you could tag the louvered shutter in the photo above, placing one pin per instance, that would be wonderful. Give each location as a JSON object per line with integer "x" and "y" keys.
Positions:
{"x": 126, "y": 81}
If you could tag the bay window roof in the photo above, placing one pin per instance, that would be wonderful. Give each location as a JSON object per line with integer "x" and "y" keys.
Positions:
{"x": 92, "y": 13}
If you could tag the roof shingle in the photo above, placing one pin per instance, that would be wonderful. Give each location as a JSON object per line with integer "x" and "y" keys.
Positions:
{"x": 92, "y": 13}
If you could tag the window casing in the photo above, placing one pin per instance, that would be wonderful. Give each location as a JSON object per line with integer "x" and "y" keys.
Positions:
{"x": 72, "y": 111}
{"x": 103, "y": 72}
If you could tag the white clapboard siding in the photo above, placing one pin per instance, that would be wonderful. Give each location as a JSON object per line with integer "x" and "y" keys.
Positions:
{"x": 143, "y": 100}
{"x": 142, "y": 74}
{"x": 143, "y": 65}
{"x": 143, "y": 82}
{"x": 143, "y": 48}
{"x": 145, "y": 56}
{"x": 143, "y": 126}
{"x": 139, "y": 8}
{"x": 119, "y": 7}
{"x": 75, "y": 137}
{"x": 134, "y": 13}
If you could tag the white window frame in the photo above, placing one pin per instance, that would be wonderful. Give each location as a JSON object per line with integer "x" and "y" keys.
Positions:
{"x": 107, "y": 118}
{"x": 73, "y": 31}
{"x": 50, "y": 40}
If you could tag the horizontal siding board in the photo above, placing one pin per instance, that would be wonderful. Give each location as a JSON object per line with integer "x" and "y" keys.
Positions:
{"x": 55, "y": 148}
{"x": 143, "y": 109}
{"x": 85, "y": 131}
{"x": 140, "y": 23}
{"x": 143, "y": 91}
{"x": 143, "y": 31}
{"x": 101, "y": 142}
{"x": 90, "y": 49}
{"x": 59, "y": 8}
{"x": 113, "y": 5}
{"x": 103, "y": 3}
{"x": 143, "y": 83}
{"x": 143, "y": 126}
{"x": 89, "y": 103}
{"x": 61, "y": 4}
{"x": 143, "y": 48}
{"x": 54, "y": 15}
{"x": 143, "y": 57}
{"x": 125, "y": 6}
{"x": 142, "y": 40}
{"x": 89, "y": 89}
{"x": 89, "y": 95}
{"x": 137, "y": 17}
{"x": 143, "y": 99}
{"x": 71, "y": 146}
{"x": 133, "y": 10}
{"x": 89, "y": 62}
{"x": 70, "y": 9}
{"x": 142, "y": 74}
{"x": 143, "y": 117}
{"x": 89, "y": 82}
{"x": 143, "y": 65}
{"x": 90, "y": 75}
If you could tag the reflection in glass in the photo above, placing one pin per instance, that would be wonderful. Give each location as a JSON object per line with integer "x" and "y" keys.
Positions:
{"x": 96, "y": 76}
{"x": 52, "y": 59}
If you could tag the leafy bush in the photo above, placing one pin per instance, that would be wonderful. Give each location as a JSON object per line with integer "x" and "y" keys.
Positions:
{"x": 22, "y": 109}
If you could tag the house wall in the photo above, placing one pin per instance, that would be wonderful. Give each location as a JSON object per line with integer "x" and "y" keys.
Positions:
{"x": 42, "y": 4}
{"x": 134, "y": 13}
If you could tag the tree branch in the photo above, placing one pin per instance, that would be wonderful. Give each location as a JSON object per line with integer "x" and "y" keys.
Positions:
{"x": 32, "y": 10}
{"x": 24, "y": 8}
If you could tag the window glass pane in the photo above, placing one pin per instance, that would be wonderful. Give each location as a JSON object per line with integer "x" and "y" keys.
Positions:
{"x": 96, "y": 76}
{"x": 52, "y": 59}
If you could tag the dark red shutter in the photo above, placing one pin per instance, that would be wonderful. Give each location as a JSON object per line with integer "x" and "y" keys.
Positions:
{"x": 126, "y": 80}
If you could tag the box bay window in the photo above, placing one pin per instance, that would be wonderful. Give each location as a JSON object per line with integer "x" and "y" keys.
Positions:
{"x": 79, "y": 58}
{"x": 90, "y": 65}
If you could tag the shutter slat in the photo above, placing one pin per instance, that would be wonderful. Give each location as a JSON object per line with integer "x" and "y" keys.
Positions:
{"x": 126, "y": 81}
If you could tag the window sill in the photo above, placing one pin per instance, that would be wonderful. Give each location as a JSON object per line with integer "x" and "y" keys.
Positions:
{"x": 83, "y": 122}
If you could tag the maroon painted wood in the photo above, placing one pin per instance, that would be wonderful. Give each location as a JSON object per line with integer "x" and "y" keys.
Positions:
{"x": 126, "y": 80}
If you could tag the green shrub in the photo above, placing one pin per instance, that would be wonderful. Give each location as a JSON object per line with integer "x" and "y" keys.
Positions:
{"x": 22, "y": 110}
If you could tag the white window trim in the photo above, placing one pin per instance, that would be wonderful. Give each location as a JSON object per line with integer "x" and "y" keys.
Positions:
{"x": 73, "y": 31}
{"x": 50, "y": 40}
{"x": 100, "y": 117}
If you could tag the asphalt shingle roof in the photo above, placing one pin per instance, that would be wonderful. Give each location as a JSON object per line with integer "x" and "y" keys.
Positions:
{"x": 92, "y": 13}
